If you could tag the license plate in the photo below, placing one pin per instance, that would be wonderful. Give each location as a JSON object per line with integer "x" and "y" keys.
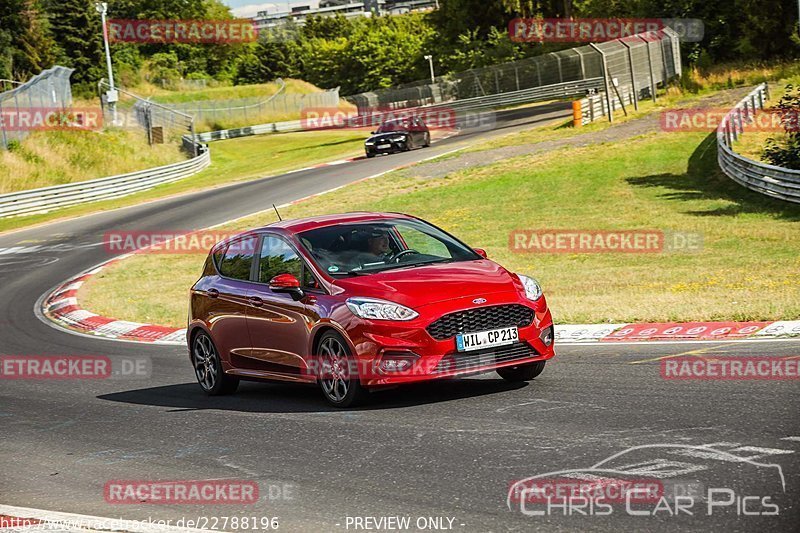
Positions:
{"x": 384, "y": 146}
{"x": 467, "y": 342}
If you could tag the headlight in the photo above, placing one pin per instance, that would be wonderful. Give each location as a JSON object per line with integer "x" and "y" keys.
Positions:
{"x": 369, "y": 143}
{"x": 532, "y": 288}
{"x": 399, "y": 139}
{"x": 375, "y": 309}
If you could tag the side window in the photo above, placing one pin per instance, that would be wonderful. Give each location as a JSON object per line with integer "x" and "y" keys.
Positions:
{"x": 277, "y": 258}
{"x": 238, "y": 259}
{"x": 309, "y": 281}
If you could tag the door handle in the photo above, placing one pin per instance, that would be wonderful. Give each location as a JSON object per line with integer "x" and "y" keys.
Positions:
{"x": 256, "y": 301}
{"x": 213, "y": 293}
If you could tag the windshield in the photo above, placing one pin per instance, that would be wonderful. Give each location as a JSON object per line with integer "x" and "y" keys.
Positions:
{"x": 394, "y": 125}
{"x": 367, "y": 248}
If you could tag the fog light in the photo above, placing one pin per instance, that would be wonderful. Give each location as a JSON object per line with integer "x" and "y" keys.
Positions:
{"x": 396, "y": 362}
{"x": 547, "y": 336}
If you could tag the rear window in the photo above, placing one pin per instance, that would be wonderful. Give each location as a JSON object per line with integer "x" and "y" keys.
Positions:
{"x": 237, "y": 260}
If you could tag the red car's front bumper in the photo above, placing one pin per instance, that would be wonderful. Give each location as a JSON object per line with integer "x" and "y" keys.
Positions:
{"x": 374, "y": 341}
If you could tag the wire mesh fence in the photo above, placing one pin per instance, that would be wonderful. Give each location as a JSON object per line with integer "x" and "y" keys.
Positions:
{"x": 221, "y": 114}
{"x": 161, "y": 124}
{"x": 649, "y": 59}
{"x": 49, "y": 90}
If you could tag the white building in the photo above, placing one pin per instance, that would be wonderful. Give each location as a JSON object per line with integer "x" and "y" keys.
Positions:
{"x": 348, "y": 8}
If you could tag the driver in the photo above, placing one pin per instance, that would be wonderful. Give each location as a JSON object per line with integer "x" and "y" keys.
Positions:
{"x": 378, "y": 243}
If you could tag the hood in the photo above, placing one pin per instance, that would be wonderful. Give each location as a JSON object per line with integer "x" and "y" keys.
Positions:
{"x": 418, "y": 286}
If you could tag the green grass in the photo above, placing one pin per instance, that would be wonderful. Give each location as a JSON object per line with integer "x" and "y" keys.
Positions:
{"x": 232, "y": 160}
{"x": 748, "y": 269}
{"x": 263, "y": 90}
{"x": 59, "y": 157}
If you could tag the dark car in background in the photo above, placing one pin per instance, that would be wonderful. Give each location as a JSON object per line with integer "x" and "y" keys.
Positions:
{"x": 399, "y": 135}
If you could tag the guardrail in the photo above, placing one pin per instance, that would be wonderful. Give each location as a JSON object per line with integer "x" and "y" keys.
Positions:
{"x": 49, "y": 198}
{"x": 776, "y": 182}
{"x": 554, "y": 91}
{"x": 233, "y": 133}
{"x": 537, "y": 94}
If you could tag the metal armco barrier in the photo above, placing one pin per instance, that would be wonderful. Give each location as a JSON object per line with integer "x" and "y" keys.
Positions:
{"x": 276, "y": 127}
{"x": 49, "y": 198}
{"x": 538, "y": 94}
{"x": 595, "y": 106}
{"x": 772, "y": 181}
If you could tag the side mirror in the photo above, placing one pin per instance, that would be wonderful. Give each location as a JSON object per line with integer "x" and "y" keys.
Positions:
{"x": 287, "y": 284}
{"x": 480, "y": 251}
{"x": 372, "y": 133}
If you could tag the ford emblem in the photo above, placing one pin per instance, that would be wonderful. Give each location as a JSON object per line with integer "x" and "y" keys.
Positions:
{"x": 479, "y": 301}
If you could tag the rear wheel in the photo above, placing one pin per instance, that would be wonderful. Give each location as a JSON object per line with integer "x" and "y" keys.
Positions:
{"x": 339, "y": 383}
{"x": 524, "y": 372}
{"x": 208, "y": 368}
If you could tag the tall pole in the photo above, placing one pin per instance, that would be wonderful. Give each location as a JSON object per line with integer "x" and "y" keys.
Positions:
{"x": 433, "y": 74}
{"x": 111, "y": 95}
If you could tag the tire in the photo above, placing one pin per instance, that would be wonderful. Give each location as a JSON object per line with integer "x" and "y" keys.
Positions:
{"x": 339, "y": 387}
{"x": 524, "y": 372}
{"x": 208, "y": 368}
{"x": 427, "y": 143}
{"x": 370, "y": 156}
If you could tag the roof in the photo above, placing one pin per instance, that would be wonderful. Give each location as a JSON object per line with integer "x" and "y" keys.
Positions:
{"x": 305, "y": 224}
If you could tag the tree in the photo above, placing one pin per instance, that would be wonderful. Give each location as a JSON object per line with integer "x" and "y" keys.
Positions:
{"x": 77, "y": 28}
{"x": 30, "y": 48}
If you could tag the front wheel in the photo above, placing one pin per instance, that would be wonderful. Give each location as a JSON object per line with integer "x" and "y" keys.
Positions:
{"x": 524, "y": 372}
{"x": 338, "y": 377}
{"x": 208, "y": 368}
{"x": 427, "y": 142}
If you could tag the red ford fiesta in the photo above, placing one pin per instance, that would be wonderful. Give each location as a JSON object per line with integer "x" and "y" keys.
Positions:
{"x": 361, "y": 301}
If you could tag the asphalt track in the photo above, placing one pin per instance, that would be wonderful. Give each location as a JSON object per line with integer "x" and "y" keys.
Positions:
{"x": 449, "y": 449}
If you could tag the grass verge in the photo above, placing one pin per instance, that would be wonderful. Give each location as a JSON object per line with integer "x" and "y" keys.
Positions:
{"x": 748, "y": 268}
{"x": 59, "y": 157}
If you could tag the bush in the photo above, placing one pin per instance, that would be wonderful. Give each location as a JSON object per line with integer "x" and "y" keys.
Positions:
{"x": 784, "y": 151}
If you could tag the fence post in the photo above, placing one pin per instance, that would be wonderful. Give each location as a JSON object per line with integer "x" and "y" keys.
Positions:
{"x": 605, "y": 81}
{"x": 538, "y": 73}
{"x": 633, "y": 77}
{"x": 560, "y": 74}
{"x": 3, "y": 128}
{"x": 650, "y": 64}
{"x": 583, "y": 67}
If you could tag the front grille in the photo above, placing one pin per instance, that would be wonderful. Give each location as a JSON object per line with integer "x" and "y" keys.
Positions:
{"x": 503, "y": 354}
{"x": 481, "y": 319}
